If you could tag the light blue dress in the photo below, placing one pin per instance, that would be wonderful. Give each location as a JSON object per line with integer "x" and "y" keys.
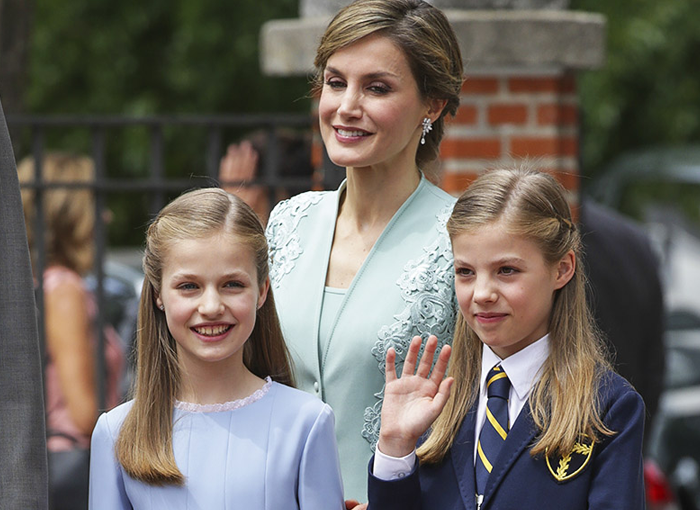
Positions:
{"x": 275, "y": 450}
{"x": 405, "y": 287}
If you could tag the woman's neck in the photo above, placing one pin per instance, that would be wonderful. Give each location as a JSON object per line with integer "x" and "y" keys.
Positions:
{"x": 208, "y": 385}
{"x": 373, "y": 196}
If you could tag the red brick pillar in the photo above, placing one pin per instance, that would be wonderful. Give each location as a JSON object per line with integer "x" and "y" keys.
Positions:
{"x": 505, "y": 119}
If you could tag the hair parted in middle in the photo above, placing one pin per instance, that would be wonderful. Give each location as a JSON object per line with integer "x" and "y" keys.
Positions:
{"x": 563, "y": 403}
{"x": 144, "y": 447}
{"x": 425, "y": 37}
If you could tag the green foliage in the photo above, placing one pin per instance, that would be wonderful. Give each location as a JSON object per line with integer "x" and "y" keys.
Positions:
{"x": 157, "y": 57}
{"x": 648, "y": 93}
{"x": 161, "y": 57}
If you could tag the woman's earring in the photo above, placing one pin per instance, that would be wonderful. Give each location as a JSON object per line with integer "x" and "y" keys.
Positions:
{"x": 162, "y": 308}
{"x": 427, "y": 127}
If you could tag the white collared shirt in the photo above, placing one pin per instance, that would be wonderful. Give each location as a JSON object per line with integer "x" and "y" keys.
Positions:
{"x": 523, "y": 370}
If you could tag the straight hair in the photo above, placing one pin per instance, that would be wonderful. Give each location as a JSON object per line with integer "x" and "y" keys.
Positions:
{"x": 564, "y": 402}
{"x": 145, "y": 444}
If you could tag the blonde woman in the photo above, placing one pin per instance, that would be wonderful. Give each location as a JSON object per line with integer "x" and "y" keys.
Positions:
{"x": 69, "y": 307}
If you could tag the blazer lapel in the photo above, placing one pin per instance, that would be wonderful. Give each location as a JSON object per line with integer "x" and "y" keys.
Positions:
{"x": 462, "y": 453}
{"x": 519, "y": 439}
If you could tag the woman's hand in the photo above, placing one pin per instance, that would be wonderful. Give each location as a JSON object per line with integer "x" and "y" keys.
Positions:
{"x": 352, "y": 504}
{"x": 413, "y": 401}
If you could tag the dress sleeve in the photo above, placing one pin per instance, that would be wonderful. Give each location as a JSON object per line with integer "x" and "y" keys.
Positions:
{"x": 320, "y": 485}
{"x": 106, "y": 478}
{"x": 620, "y": 457}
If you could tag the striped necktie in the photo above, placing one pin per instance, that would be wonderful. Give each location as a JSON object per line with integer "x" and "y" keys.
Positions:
{"x": 493, "y": 433}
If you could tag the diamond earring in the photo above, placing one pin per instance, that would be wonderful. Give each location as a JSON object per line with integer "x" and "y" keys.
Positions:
{"x": 427, "y": 127}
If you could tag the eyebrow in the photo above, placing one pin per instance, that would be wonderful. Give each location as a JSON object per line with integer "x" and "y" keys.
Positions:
{"x": 372, "y": 76}
{"x": 499, "y": 262}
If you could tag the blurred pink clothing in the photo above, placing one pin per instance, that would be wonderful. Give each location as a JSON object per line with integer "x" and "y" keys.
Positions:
{"x": 58, "y": 416}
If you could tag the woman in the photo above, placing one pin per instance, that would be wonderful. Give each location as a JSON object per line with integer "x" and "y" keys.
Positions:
{"x": 69, "y": 308}
{"x": 367, "y": 267}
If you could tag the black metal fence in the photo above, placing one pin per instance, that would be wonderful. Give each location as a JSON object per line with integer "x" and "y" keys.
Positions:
{"x": 35, "y": 135}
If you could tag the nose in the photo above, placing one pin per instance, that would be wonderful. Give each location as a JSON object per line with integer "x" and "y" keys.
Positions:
{"x": 211, "y": 303}
{"x": 350, "y": 103}
{"x": 484, "y": 290}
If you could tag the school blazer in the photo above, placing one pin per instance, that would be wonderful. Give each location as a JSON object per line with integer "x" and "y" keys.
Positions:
{"x": 607, "y": 476}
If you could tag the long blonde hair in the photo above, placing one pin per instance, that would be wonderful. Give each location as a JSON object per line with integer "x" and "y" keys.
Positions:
{"x": 144, "y": 447}
{"x": 427, "y": 40}
{"x": 69, "y": 212}
{"x": 563, "y": 403}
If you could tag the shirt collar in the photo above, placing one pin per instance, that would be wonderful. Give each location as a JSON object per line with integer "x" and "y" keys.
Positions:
{"x": 522, "y": 368}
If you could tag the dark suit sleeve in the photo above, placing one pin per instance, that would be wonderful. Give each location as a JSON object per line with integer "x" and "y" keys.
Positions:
{"x": 400, "y": 494}
{"x": 618, "y": 478}
{"x": 23, "y": 482}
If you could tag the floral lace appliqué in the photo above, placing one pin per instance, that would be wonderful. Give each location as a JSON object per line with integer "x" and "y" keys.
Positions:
{"x": 226, "y": 406}
{"x": 282, "y": 233}
{"x": 427, "y": 286}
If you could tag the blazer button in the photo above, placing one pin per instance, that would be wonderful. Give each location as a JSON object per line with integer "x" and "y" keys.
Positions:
{"x": 316, "y": 386}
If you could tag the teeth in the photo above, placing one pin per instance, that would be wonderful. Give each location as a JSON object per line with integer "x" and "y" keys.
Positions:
{"x": 343, "y": 132}
{"x": 211, "y": 330}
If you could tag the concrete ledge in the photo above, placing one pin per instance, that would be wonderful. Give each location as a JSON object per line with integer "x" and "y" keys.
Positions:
{"x": 488, "y": 39}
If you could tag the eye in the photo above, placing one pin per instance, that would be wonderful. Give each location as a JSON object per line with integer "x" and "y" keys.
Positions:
{"x": 379, "y": 88}
{"x": 335, "y": 83}
{"x": 234, "y": 284}
{"x": 187, "y": 286}
{"x": 463, "y": 271}
{"x": 508, "y": 270}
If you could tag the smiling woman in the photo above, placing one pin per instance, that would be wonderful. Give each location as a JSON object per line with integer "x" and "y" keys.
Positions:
{"x": 364, "y": 268}
{"x": 212, "y": 404}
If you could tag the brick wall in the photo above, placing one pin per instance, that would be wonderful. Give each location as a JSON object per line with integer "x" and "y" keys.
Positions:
{"x": 504, "y": 119}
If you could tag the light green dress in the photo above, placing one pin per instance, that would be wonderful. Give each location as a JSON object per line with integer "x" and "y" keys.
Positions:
{"x": 404, "y": 288}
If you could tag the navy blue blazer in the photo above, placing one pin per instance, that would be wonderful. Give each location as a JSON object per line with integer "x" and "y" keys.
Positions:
{"x": 608, "y": 476}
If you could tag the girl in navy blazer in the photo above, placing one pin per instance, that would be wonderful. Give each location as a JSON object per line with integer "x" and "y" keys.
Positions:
{"x": 567, "y": 431}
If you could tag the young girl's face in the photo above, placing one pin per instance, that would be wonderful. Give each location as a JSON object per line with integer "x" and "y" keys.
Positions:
{"x": 211, "y": 295}
{"x": 504, "y": 286}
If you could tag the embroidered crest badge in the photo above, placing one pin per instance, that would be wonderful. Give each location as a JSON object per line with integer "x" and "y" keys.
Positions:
{"x": 566, "y": 467}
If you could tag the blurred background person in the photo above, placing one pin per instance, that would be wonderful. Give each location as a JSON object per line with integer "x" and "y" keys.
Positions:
{"x": 69, "y": 313}
{"x": 243, "y": 167}
{"x": 23, "y": 445}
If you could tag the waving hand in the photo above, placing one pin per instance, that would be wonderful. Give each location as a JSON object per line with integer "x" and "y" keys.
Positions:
{"x": 413, "y": 401}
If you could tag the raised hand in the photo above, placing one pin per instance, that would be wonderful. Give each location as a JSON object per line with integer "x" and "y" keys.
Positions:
{"x": 413, "y": 401}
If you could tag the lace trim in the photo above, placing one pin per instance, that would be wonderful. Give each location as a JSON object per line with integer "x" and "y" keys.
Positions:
{"x": 226, "y": 406}
{"x": 283, "y": 233}
{"x": 426, "y": 285}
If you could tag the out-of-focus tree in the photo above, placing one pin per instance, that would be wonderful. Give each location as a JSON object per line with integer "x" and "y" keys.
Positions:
{"x": 15, "y": 27}
{"x": 161, "y": 56}
{"x": 648, "y": 93}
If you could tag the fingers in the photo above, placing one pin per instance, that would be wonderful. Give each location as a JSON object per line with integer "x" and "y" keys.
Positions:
{"x": 443, "y": 394}
{"x": 426, "y": 360}
{"x": 390, "y": 370}
{"x": 440, "y": 367}
{"x": 409, "y": 364}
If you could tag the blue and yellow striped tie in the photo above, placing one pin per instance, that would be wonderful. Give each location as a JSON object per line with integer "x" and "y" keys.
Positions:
{"x": 493, "y": 433}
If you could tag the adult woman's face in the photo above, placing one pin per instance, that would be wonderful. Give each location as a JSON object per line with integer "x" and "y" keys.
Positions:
{"x": 370, "y": 109}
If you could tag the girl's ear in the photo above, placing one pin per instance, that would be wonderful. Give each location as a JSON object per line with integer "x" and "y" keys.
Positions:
{"x": 159, "y": 302}
{"x": 565, "y": 270}
{"x": 262, "y": 296}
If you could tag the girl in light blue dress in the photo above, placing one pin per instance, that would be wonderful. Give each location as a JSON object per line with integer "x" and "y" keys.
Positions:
{"x": 214, "y": 423}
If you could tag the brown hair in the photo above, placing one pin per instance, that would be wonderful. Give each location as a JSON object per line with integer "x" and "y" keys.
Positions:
{"x": 69, "y": 213}
{"x": 427, "y": 40}
{"x": 563, "y": 403}
{"x": 144, "y": 447}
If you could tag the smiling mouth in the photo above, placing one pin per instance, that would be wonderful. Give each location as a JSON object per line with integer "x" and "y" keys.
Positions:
{"x": 349, "y": 133}
{"x": 212, "y": 330}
